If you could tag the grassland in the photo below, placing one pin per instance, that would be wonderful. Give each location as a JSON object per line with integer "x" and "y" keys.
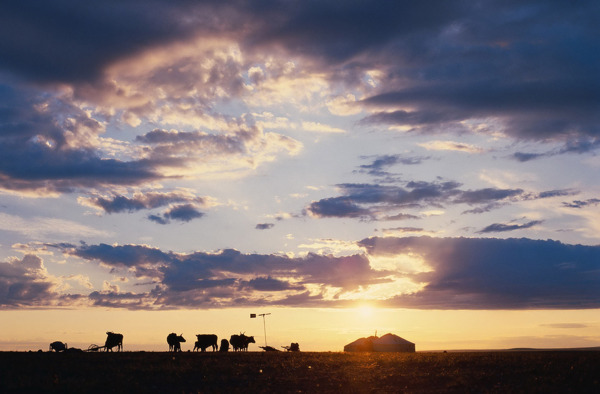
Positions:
{"x": 156, "y": 372}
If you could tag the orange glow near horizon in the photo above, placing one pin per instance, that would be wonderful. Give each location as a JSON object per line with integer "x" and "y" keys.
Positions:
{"x": 315, "y": 329}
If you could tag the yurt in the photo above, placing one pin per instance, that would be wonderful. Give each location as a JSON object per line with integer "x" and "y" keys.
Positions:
{"x": 386, "y": 343}
{"x": 392, "y": 343}
{"x": 360, "y": 345}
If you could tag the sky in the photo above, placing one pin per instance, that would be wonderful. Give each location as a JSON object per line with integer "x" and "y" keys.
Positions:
{"x": 423, "y": 168}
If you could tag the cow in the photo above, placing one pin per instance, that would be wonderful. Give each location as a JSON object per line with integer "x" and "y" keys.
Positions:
{"x": 240, "y": 342}
{"x": 204, "y": 341}
{"x": 58, "y": 346}
{"x": 112, "y": 340}
{"x": 174, "y": 342}
{"x": 224, "y": 345}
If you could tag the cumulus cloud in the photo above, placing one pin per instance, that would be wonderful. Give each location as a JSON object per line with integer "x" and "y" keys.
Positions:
{"x": 264, "y": 226}
{"x": 26, "y": 283}
{"x": 490, "y": 273}
{"x": 417, "y": 272}
{"x": 225, "y": 277}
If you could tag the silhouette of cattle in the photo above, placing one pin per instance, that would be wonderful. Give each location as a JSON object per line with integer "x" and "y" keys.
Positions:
{"x": 112, "y": 340}
{"x": 240, "y": 342}
{"x": 58, "y": 346}
{"x": 224, "y": 345}
{"x": 204, "y": 341}
{"x": 174, "y": 342}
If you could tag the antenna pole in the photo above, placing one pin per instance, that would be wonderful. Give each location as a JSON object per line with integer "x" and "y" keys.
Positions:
{"x": 264, "y": 325}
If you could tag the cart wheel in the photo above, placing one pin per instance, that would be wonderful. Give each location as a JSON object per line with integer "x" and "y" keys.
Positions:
{"x": 93, "y": 348}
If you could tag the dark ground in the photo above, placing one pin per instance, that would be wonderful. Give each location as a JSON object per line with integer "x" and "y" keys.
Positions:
{"x": 156, "y": 372}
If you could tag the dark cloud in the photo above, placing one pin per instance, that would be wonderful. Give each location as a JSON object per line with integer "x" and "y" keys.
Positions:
{"x": 210, "y": 142}
{"x": 158, "y": 219}
{"x": 264, "y": 226}
{"x": 581, "y": 204}
{"x": 209, "y": 279}
{"x": 43, "y": 147}
{"x": 400, "y": 216}
{"x": 557, "y": 193}
{"x": 338, "y": 207}
{"x": 139, "y": 201}
{"x": 486, "y": 195}
{"x": 378, "y": 166}
{"x": 528, "y": 65}
{"x": 183, "y": 213}
{"x": 369, "y": 200}
{"x": 490, "y": 273}
{"x": 25, "y": 283}
{"x": 578, "y": 145}
{"x": 270, "y": 284}
{"x": 502, "y": 227}
{"x": 67, "y": 40}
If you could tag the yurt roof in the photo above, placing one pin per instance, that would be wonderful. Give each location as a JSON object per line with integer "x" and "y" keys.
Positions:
{"x": 390, "y": 339}
{"x": 361, "y": 341}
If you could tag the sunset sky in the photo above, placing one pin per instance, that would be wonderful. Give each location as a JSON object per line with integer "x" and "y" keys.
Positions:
{"x": 427, "y": 168}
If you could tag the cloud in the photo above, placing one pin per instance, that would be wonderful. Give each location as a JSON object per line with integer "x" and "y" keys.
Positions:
{"x": 264, "y": 226}
{"x": 182, "y": 213}
{"x": 451, "y": 146}
{"x": 140, "y": 200}
{"x": 222, "y": 278}
{"x": 26, "y": 283}
{"x": 48, "y": 145}
{"x": 490, "y": 273}
{"x": 378, "y": 166}
{"x": 369, "y": 200}
{"x": 321, "y": 128}
{"x": 501, "y": 227}
{"x": 582, "y": 204}
{"x": 565, "y": 325}
{"x": 60, "y": 41}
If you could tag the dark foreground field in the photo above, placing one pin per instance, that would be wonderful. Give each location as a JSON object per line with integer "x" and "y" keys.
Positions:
{"x": 501, "y": 372}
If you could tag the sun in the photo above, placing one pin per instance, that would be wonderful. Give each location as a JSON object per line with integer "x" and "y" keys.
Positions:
{"x": 365, "y": 311}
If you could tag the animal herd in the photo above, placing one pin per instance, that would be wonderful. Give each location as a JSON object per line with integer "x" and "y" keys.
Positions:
{"x": 203, "y": 341}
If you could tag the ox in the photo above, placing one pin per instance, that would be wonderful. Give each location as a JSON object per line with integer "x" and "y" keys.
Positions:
{"x": 112, "y": 340}
{"x": 224, "y": 345}
{"x": 240, "y": 342}
{"x": 58, "y": 346}
{"x": 204, "y": 341}
{"x": 174, "y": 342}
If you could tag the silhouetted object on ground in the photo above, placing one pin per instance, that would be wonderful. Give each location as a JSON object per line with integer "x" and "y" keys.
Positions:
{"x": 94, "y": 348}
{"x": 240, "y": 342}
{"x": 386, "y": 343}
{"x": 73, "y": 350}
{"x": 224, "y": 345}
{"x": 174, "y": 342}
{"x": 268, "y": 349}
{"x": 294, "y": 347}
{"x": 58, "y": 346}
{"x": 204, "y": 341}
{"x": 112, "y": 340}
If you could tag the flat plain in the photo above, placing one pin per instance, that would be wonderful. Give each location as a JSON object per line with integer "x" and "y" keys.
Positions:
{"x": 306, "y": 372}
